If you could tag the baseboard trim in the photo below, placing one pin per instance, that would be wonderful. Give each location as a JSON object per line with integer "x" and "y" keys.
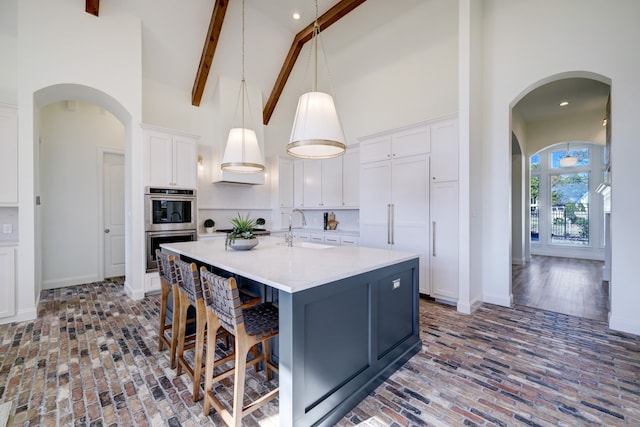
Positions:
{"x": 133, "y": 293}
{"x": 69, "y": 281}
{"x": 624, "y": 325}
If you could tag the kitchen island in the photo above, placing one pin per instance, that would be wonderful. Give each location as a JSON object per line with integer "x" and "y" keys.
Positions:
{"x": 348, "y": 317}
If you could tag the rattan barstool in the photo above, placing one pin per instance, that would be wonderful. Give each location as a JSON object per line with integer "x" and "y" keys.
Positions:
{"x": 249, "y": 326}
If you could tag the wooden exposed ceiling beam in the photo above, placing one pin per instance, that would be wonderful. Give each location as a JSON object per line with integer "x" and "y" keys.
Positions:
{"x": 209, "y": 49}
{"x": 330, "y": 17}
{"x": 92, "y": 6}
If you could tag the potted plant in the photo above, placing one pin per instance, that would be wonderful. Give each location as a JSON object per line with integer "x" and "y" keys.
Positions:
{"x": 241, "y": 236}
{"x": 208, "y": 225}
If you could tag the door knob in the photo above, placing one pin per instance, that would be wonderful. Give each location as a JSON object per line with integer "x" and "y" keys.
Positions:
{"x": 107, "y": 231}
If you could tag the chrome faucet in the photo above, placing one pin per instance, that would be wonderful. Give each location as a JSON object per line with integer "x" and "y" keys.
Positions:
{"x": 289, "y": 236}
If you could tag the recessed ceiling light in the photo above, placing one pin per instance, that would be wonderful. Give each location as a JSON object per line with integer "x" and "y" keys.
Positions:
{"x": 564, "y": 103}
{"x": 296, "y": 16}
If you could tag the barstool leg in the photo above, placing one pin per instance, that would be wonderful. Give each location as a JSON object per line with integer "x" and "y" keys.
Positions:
{"x": 184, "y": 306}
{"x": 163, "y": 315}
{"x": 201, "y": 322}
{"x": 175, "y": 325}
{"x": 242, "y": 349}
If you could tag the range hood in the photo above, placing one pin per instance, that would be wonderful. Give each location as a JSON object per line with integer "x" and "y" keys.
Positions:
{"x": 240, "y": 178}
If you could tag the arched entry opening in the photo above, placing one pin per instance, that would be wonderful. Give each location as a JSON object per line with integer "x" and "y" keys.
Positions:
{"x": 76, "y": 130}
{"x": 546, "y": 127}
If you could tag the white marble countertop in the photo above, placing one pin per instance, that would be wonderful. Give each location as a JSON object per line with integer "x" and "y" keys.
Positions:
{"x": 290, "y": 269}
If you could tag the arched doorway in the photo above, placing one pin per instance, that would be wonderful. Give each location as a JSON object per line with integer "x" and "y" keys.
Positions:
{"x": 67, "y": 113}
{"x": 565, "y": 108}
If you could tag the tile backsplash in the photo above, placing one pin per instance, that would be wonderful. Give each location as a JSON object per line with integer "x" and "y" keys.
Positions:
{"x": 9, "y": 218}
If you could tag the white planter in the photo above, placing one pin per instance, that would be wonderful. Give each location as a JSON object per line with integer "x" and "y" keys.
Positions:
{"x": 244, "y": 244}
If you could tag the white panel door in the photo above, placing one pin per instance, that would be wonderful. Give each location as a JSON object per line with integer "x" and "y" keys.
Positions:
{"x": 114, "y": 256}
{"x": 410, "y": 214}
{"x": 375, "y": 200}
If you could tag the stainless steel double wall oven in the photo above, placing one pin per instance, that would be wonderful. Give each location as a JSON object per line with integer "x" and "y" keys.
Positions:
{"x": 169, "y": 216}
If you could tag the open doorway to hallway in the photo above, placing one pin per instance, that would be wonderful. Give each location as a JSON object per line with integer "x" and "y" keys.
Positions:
{"x": 558, "y": 230}
{"x": 74, "y": 139}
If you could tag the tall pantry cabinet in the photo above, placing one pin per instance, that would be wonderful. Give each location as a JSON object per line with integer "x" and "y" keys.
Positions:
{"x": 409, "y": 199}
{"x": 444, "y": 210}
{"x": 394, "y": 193}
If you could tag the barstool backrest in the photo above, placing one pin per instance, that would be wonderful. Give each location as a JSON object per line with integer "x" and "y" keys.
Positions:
{"x": 188, "y": 279}
{"x": 223, "y": 298}
{"x": 166, "y": 266}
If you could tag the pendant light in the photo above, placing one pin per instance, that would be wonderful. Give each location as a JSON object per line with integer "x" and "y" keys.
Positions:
{"x": 242, "y": 153}
{"x": 568, "y": 160}
{"x": 317, "y": 131}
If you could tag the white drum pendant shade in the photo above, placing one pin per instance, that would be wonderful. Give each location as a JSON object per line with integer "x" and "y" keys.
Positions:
{"x": 317, "y": 132}
{"x": 242, "y": 153}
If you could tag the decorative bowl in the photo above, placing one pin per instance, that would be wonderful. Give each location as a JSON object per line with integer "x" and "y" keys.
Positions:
{"x": 243, "y": 244}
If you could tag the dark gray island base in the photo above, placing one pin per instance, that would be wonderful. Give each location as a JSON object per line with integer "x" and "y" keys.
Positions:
{"x": 339, "y": 341}
{"x": 348, "y": 318}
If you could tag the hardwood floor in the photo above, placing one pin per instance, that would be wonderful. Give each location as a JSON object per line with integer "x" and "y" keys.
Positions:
{"x": 562, "y": 285}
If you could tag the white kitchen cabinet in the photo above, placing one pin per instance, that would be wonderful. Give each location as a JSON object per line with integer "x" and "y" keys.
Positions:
{"x": 8, "y": 155}
{"x": 331, "y": 182}
{"x": 394, "y": 204}
{"x": 405, "y": 142}
{"x": 8, "y": 281}
{"x": 444, "y": 241}
{"x": 285, "y": 183}
{"x": 312, "y": 183}
{"x": 170, "y": 158}
{"x": 316, "y": 237}
{"x": 332, "y": 239}
{"x": 351, "y": 177}
{"x": 298, "y": 183}
{"x": 322, "y": 183}
{"x": 349, "y": 240}
{"x": 444, "y": 150}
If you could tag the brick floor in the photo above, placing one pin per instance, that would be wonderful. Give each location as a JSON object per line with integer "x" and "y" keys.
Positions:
{"x": 91, "y": 359}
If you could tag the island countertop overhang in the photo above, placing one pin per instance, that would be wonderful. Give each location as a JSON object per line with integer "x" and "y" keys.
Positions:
{"x": 290, "y": 269}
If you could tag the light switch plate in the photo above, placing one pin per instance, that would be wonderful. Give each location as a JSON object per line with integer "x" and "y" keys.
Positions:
{"x": 7, "y": 228}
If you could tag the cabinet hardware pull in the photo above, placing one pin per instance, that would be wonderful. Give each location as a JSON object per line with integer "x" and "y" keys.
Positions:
{"x": 388, "y": 223}
{"x": 433, "y": 238}
{"x": 393, "y": 223}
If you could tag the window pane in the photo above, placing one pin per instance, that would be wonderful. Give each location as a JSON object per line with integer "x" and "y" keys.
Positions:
{"x": 582, "y": 154}
{"x": 534, "y": 163}
{"x": 570, "y": 209}
{"x": 535, "y": 213}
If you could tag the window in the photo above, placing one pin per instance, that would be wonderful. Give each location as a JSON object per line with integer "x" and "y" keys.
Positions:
{"x": 582, "y": 154}
{"x": 570, "y": 209}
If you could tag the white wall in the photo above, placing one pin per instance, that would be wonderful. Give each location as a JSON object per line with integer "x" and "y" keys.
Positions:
{"x": 64, "y": 52}
{"x": 523, "y": 46}
{"x": 69, "y": 189}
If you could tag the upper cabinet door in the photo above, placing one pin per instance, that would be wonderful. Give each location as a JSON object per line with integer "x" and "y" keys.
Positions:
{"x": 411, "y": 142}
{"x": 170, "y": 158}
{"x": 285, "y": 182}
{"x": 312, "y": 192}
{"x": 444, "y": 151}
{"x": 375, "y": 149}
{"x": 185, "y": 162}
{"x": 351, "y": 177}
{"x": 8, "y": 155}
{"x": 332, "y": 182}
{"x": 158, "y": 159}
